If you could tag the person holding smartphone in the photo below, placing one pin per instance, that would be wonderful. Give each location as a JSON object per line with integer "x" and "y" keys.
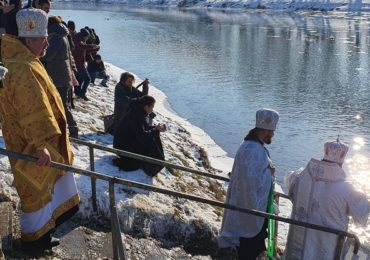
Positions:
{"x": 134, "y": 134}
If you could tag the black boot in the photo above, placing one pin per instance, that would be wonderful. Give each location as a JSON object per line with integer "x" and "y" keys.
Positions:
{"x": 73, "y": 131}
{"x": 43, "y": 243}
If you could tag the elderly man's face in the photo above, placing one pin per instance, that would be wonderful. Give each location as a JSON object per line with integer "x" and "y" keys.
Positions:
{"x": 37, "y": 45}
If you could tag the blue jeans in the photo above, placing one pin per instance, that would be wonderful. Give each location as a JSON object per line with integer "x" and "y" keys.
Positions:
{"x": 83, "y": 79}
{"x": 99, "y": 75}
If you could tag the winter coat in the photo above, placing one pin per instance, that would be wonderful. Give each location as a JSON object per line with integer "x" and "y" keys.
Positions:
{"x": 133, "y": 134}
{"x": 249, "y": 187}
{"x": 79, "y": 52}
{"x": 57, "y": 59}
{"x": 94, "y": 67}
{"x": 123, "y": 95}
{"x": 33, "y": 119}
{"x": 321, "y": 195}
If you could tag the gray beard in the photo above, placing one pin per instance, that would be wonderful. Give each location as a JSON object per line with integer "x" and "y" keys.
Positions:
{"x": 43, "y": 53}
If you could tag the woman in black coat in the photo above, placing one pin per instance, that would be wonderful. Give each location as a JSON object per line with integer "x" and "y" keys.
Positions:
{"x": 133, "y": 134}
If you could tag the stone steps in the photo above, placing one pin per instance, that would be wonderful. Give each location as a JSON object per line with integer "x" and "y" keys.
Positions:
{"x": 72, "y": 239}
{"x": 72, "y": 245}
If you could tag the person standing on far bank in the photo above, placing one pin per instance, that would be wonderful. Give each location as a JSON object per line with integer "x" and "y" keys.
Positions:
{"x": 249, "y": 187}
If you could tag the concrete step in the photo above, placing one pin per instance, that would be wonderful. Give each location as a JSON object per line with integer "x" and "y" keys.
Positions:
{"x": 72, "y": 245}
{"x": 107, "y": 250}
{"x": 6, "y": 227}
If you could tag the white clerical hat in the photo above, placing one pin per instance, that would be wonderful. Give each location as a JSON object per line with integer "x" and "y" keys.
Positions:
{"x": 3, "y": 72}
{"x": 32, "y": 23}
{"x": 335, "y": 152}
{"x": 267, "y": 119}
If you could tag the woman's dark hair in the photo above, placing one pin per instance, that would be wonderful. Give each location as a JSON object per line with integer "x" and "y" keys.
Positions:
{"x": 9, "y": 19}
{"x": 54, "y": 20}
{"x": 125, "y": 76}
{"x": 42, "y": 2}
{"x": 71, "y": 25}
{"x": 146, "y": 101}
{"x": 16, "y": 3}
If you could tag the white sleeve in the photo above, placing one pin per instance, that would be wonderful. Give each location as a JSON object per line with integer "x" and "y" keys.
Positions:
{"x": 291, "y": 179}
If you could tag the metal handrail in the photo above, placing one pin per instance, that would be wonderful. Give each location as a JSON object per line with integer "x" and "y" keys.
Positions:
{"x": 114, "y": 180}
{"x": 145, "y": 159}
{"x": 148, "y": 159}
{"x": 164, "y": 163}
{"x": 151, "y": 160}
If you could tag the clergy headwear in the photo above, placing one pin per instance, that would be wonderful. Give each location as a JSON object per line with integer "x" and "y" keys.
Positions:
{"x": 32, "y": 23}
{"x": 267, "y": 119}
{"x": 3, "y": 72}
{"x": 335, "y": 152}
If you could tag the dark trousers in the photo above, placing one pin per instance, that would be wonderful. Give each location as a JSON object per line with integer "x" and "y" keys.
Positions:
{"x": 154, "y": 150}
{"x": 99, "y": 75}
{"x": 83, "y": 79}
{"x": 72, "y": 125}
{"x": 250, "y": 248}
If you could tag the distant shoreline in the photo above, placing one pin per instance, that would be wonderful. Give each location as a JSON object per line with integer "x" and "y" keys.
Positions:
{"x": 229, "y": 6}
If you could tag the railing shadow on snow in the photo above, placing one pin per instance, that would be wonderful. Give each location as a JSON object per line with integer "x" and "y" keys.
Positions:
{"x": 119, "y": 250}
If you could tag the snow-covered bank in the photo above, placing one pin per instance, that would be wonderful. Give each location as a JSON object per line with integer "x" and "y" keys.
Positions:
{"x": 289, "y": 5}
{"x": 173, "y": 222}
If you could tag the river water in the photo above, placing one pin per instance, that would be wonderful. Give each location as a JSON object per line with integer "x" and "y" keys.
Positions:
{"x": 217, "y": 68}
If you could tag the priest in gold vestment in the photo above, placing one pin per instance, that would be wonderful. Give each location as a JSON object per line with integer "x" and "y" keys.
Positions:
{"x": 34, "y": 123}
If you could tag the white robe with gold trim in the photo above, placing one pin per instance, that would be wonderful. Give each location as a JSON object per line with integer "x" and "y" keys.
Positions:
{"x": 321, "y": 195}
{"x": 249, "y": 187}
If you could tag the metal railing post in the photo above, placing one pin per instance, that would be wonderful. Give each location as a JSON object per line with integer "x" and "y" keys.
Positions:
{"x": 338, "y": 249}
{"x": 276, "y": 224}
{"x": 93, "y": 180}
{"x": 119, "y": 250}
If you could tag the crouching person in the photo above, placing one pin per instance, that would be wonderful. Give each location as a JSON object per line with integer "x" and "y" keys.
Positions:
{"x": 34, "y": 123}
{"x": 96, "y": 69}
{"x": 321, "y": 195}
{"x": 133, "y": 134}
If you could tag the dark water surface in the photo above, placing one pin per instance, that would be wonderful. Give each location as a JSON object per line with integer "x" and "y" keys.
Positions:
{"x": 218, "y": 68}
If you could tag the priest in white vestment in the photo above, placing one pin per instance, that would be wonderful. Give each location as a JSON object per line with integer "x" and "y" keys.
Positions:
{"x": 321, "y": 195}
{"x": 249, "y": 187}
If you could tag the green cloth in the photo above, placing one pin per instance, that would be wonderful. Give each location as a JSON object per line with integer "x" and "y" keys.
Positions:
{"x": 271, "y": 223}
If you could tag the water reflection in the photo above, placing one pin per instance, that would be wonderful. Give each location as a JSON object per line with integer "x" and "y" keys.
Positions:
{"x": 358, "y": 166}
